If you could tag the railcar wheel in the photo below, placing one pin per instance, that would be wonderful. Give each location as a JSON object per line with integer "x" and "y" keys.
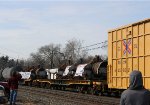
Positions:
{"x": 27, "y": 83}
{"x": 63, "y": 88}
{"x": 101, "y": 94}
{"x": 117, "y": 94}
{"x": 109, "y": 94}
{"x": 36, "y": 83}
{"x": 95, "y": 92}
{"x": 90, "y": 90}
{"x": 79, "y": 89}
{"x": 51, "y": 87}
{"x": 48, "y": 85}
{"x": 42, "y": 85}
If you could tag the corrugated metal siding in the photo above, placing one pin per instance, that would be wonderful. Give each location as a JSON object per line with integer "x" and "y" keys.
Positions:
{"x": 129, "y": 49}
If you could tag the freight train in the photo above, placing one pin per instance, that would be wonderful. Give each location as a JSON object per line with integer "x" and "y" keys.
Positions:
{"x": 79, "y": 77}
{"x": 128, "y": 50}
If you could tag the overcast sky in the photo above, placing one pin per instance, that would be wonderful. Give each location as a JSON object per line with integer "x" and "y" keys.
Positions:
{"x": 26, "y": 25}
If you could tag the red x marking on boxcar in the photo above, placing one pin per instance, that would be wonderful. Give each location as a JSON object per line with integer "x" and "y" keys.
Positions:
{"x": 126, "y": 45}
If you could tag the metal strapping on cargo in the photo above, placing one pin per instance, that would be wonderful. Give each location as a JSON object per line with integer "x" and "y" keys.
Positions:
{"x": 128, "y": 50}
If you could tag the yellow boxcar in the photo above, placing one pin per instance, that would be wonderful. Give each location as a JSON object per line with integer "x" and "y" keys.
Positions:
{"x": 128, "y": 50}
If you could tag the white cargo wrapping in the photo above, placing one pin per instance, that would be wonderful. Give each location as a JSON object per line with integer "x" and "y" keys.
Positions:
{"x": 66, "y": 71}
{"x": 52, "y": 73}
{"x": 25, "y": 75}
{"x": 80, "y": 69}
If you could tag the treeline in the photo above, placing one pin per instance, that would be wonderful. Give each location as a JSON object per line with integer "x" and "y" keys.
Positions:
{"x": 54, "y": 55}
{"x": 51, "y": 56}
{"x": 5, "y": 61}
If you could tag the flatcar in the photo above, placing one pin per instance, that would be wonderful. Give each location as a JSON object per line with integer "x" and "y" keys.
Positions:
{"x": 75, "y": 77}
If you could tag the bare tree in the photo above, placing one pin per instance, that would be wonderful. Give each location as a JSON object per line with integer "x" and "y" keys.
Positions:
{"x": 36, "y": 59}
{"x": 50, "y": 55}
{"x": 73, "y": 50}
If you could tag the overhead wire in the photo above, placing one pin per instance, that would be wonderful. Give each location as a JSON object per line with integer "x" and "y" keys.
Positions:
{"x": 85, "y": 48}
{"x": 93, "y": 44}
{"x": 100, "y": 45}
{"x": 95, "y": 48}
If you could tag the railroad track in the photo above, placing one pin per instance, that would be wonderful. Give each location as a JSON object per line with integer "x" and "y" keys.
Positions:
{"x": 46, "y": 96}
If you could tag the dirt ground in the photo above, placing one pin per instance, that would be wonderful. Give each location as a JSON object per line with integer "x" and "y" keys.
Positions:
{"x": 21, "y": 101}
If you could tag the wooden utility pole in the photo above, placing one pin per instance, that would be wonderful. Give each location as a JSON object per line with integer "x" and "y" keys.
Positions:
{"x": 52, "y": 59}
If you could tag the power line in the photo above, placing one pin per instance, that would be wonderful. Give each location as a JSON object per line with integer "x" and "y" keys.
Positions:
{"x": 96, "y": 48}
{"x": 104, "y": 42}
{"x": 85, "y": 47}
